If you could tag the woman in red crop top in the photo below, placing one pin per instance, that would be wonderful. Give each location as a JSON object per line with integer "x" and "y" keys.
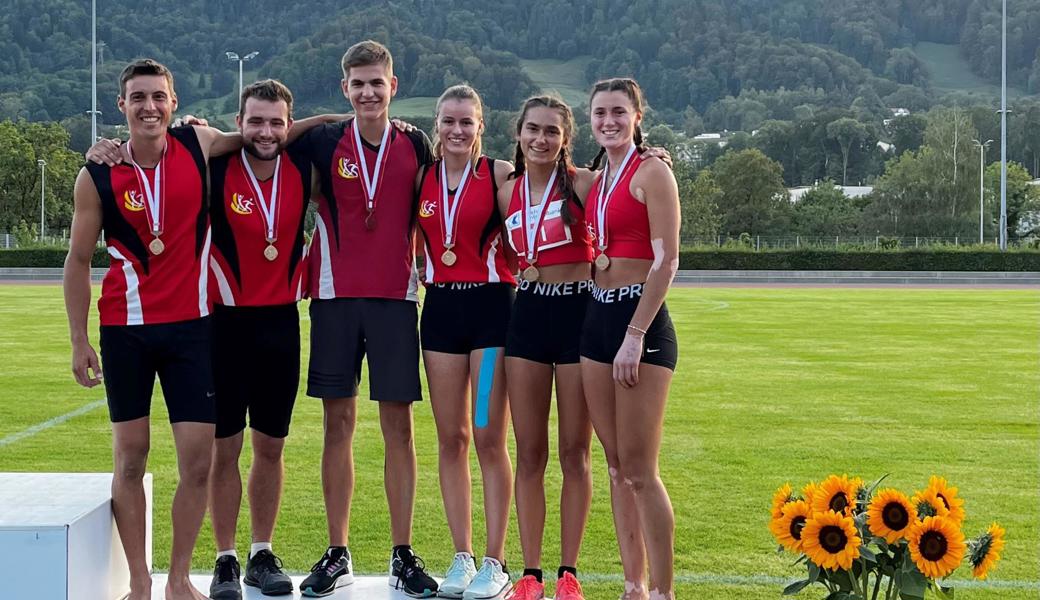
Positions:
{"x": 628, "y": 345}
{"x": 469, "y": 295}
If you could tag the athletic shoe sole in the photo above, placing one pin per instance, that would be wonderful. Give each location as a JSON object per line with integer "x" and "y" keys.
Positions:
{"x": 280, "y": 590}
{"x": 342, "y": 581}
{"x": 496, "y": 595}
{"x": 394, "y": 585}
{"x": 453, "y": 595}
{"x": 228, "y": 595}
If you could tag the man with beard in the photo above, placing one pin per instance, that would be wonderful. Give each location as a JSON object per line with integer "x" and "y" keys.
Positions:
{"x": 258, "y": 200}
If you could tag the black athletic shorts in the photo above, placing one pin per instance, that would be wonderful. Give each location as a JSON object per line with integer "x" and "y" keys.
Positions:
{"x": 458, "y": 318}
{"x": 606, "y": 322}
{"x": 547, "y": 320}
{"x": 256, "y": 367}
{"x": 346, "y": 330}
{"x": 179, "y": 353}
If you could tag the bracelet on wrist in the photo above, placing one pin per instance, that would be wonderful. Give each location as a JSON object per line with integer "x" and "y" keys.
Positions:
{"x": 634, "y": 328}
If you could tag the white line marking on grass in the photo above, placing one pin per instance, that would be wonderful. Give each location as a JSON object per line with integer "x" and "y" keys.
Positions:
{"x": 715, "y": 304}
{"x": 31, "y": 431}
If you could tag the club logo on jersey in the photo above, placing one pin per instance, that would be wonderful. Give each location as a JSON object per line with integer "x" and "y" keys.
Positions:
{"x": 427, "y": 208}
{"x": 133, "y": 201}
{"x": 347, "y": 169}
{"x": 241, "y": 205}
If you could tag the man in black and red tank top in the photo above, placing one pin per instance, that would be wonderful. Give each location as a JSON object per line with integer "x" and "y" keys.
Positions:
{"x": 154, "y": 309}
{"x": 259, "y": 197}
{"x": 364, "y": 291}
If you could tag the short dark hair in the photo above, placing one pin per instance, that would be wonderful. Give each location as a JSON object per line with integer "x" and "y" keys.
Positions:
{"x": 270, "y": 90}
{"x": 368, "y": 52}
{"x": 143, "y": 66}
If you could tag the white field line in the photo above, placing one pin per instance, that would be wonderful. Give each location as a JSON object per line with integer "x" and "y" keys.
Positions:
{"x": 31, "y": 431}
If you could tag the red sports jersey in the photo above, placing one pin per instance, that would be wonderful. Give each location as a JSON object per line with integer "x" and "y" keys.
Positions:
{"x": 477, "y": 235}
{"x": 349, "y": 257}
{"x": 627, "y": 225}
{"x": 142, "y": 287}
{"x": 241, "y": 273}
{"x": 558, "y": 243}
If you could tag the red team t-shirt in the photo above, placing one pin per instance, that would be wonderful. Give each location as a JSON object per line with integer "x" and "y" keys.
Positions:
{"x": 141, "y": 287}
{"x": 478, "y": 228}
{"x": 348, "y": 259}
{"x": 240, "y": 273}
{"x": 558, "y": 242}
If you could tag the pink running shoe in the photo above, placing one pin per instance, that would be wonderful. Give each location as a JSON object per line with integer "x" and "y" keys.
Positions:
{"x": 527, "y": 588}
{"x": 568, "y": 588}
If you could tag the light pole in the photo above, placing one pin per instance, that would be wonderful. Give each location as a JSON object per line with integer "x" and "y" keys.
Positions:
{"x": 1003, "y": 128}
{"x": 232, "y": 56}
{"x": 93, "y": 72}
{"x": 982, "y": 188}
{"x": 43, "y": 192}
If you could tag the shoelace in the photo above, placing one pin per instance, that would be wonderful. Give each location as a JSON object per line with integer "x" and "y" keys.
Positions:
{"x": 487, "y": 574}
{"x": 226, "y": 570}
{"x": 523, "y": 587}
{"x": 326, "y": 563}
{"x": 457, "y": 566}
{"x": 269, "y": 562}
{"x": 568, "y": 585}
{"x": 409, "y": 567}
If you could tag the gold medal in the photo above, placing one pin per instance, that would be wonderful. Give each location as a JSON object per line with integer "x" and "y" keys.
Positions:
{"x": 270, "y": 252}
{"x": 448, "y": 258}
{"x": 531, "y": 273}
{"x": 370, "y": 220}
{"x": 156, "y": 246}
{"x": 602, "y": 262}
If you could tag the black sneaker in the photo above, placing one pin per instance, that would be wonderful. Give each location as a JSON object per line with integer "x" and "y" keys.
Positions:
{"x": 225, "y": 584}
{"x": 408, "y": 573}
{"x": 264, "y": 570}
{"x": 333, "y": 570}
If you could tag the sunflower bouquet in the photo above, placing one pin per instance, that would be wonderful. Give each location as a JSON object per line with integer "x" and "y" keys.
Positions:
{"x": 860, "y": 541}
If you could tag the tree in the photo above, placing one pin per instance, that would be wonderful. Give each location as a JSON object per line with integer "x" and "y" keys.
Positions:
{"x": 825, "y": 211}
{"x": 846, "y": 132}
{"x": 699, "y": 199}
{"x": 1023, "y": 203}
{"x": 907, "y": 132}
{"x": 21, "y": 145}
{"x": 754, "y": 199}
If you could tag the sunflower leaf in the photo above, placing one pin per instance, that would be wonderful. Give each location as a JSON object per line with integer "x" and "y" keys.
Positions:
{"x": 914, "y": 584}
{"x": 942, "y": 592}
{"x": 874, "y": 486}
{"x": 796, "y": 587}
{"x": 867, "y": 554}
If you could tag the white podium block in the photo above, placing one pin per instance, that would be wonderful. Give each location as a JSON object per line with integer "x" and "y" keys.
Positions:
{"x": 58, "y": 539}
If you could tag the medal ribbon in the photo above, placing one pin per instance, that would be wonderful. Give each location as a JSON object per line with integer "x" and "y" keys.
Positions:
{"x": 269, "y": 212}
{"x": 531, "y": 228}
{"x": 450, "y": 210}
{"x": 370, "y": 184}
{"x": 605, "y": 195}
{"x": 152, "y": 193}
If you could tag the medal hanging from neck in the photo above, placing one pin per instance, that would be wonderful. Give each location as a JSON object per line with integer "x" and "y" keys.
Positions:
{"x": 370, "y": 183}
{"x": 154, "y": 206}
{"x": 268, "y": 211}
{"x": 533, "y": 226}
{"x": 450, "y": 210}
{"x": 605, "y": 194}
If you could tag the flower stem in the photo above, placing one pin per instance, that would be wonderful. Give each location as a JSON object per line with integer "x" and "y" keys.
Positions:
{"x": 888, "y": 592}
{"x": 877, "y": 586}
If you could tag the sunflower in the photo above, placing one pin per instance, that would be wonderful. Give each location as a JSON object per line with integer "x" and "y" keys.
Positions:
{"x": 809, "y": 491}
{"x": 830, "y": 540}
{"x": 936, "y": 546}
{"x": 781, "y": 497}
{"x": 890, "y": 515}
{"x": 837, "y": 494}
{"x": 948, "y": 496}
{"x": 787, "y": 529}
{"x": 928, "y": 504}
{"x": 984, "y": 552}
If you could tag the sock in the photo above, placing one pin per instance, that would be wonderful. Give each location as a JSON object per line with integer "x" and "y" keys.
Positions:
{"x": 403, "y": 551}
{"x": 230, "y": 552}
{"x": 258, "y": 546}
{"x": 334, "y": 552}
{"x": 572, "y": 570}
{"x": 536, "y": 573}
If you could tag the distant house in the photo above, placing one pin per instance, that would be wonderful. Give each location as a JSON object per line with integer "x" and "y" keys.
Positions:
{"x": 852, "y": 191}
{"x": 709, "y": 137}
{"x": 885, "y": 147}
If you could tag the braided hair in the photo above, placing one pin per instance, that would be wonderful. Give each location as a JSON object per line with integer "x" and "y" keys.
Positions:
{"x": 564, "y": 166}
{"x": 635, "y": 94}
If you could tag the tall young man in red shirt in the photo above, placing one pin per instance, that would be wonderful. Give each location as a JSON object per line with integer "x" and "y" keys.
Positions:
{"x": 364, "y": 290}
{"x": 154, "y": 309}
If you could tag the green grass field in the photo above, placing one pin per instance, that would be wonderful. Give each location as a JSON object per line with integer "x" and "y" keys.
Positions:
{"x": 774, "y": 385}
{"x": 564, "y": 77}
{"x": 950, "y": 72}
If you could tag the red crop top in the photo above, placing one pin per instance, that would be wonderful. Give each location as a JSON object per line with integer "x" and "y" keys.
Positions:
{"x": 558, "y": 243}
{"x": 624, "y": 220}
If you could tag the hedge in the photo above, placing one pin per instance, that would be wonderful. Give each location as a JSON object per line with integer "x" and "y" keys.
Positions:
{"x": 803, "y": 259}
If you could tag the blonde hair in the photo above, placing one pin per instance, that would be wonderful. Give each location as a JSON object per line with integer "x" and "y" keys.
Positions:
{"x": 458, "y": 92}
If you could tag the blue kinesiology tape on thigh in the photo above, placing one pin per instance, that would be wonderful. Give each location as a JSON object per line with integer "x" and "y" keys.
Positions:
{"x": 484, "y": 381}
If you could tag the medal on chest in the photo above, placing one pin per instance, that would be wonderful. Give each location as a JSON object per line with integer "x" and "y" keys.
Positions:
{"x": 269, "y": 207}
{"x": 605, "y": 194}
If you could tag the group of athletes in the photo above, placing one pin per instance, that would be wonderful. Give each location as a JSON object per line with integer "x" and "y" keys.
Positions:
{"x": 208, "y": 259}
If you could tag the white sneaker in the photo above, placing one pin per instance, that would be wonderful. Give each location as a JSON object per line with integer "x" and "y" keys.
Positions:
{"x": 461, "y": 572}
{"x": 490, "y": 582}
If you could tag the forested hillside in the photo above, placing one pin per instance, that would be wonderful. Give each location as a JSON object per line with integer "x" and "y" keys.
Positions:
{"x": 689, "y": 54}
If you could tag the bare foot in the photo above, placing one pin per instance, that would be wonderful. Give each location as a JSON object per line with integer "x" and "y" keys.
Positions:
{"x": 181, "y": 589}
{"x": 140, "y": 589}
{"x": 634, "y": 591}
